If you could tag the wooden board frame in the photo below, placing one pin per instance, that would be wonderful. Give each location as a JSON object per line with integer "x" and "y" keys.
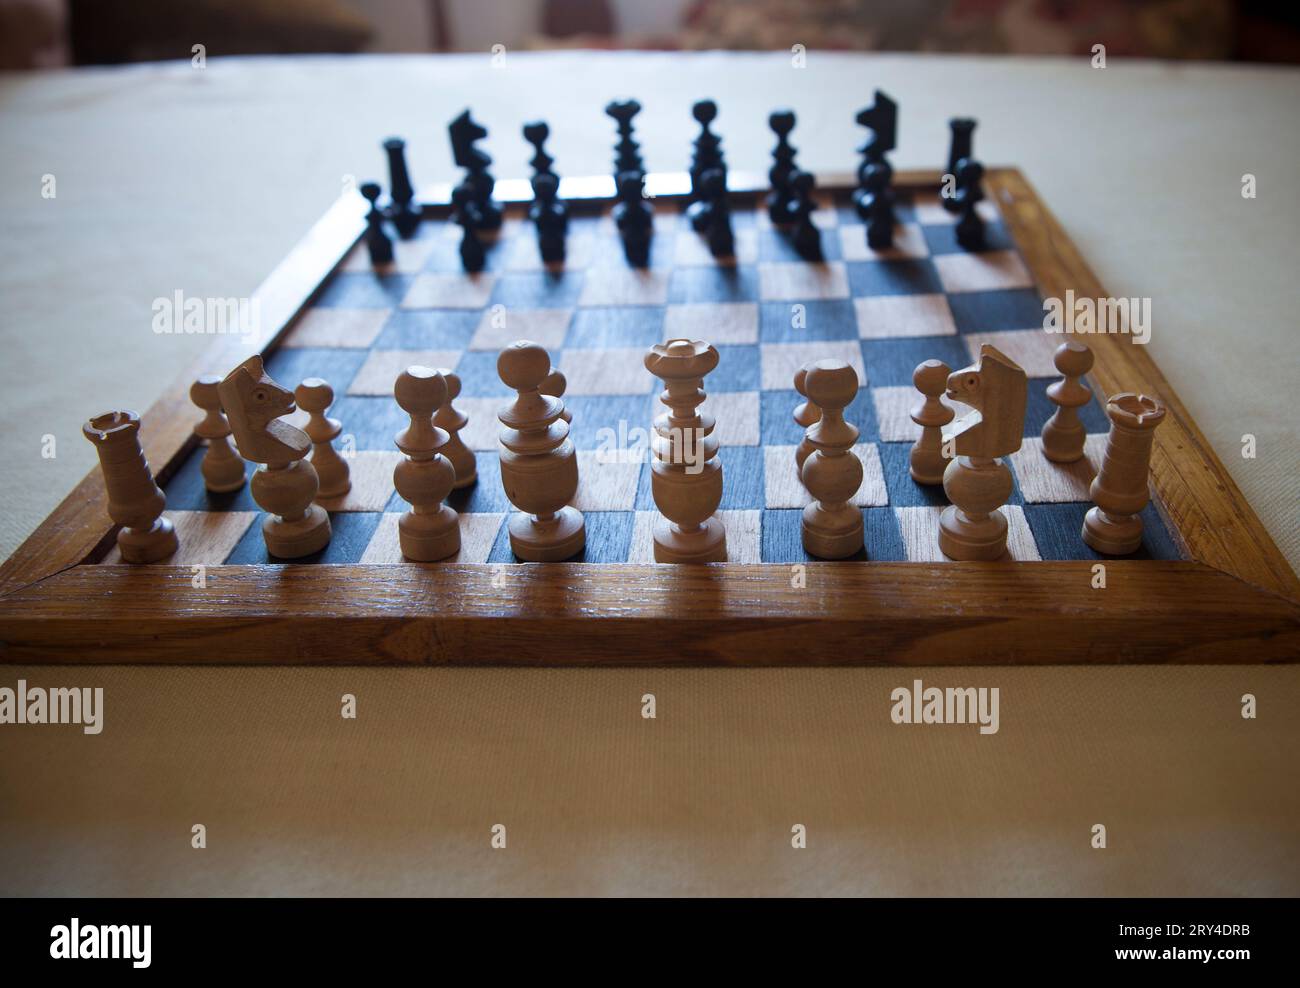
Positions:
{"x": 1235, "y": 599}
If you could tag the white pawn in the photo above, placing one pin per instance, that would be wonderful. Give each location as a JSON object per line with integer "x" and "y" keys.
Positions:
{"x": 314, "y": 396}
{"x": 1063, "y": 434}
{"x": 222, "y": 468}
{"x": 431, "y": 529}
{"x": 805, "y": 414}
{"x": 539, "y": 465}
{"x": 555, "y": 384}
{"x": 832, "y": 526}
{"x": 927, "y": 462}
{"x": 452, "y": 419}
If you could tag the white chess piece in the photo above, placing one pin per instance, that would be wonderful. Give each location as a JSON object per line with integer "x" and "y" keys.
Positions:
{"x": 424, "y": 477}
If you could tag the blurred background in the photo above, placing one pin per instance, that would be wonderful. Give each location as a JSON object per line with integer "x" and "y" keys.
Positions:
{"x": 51, "y": 33}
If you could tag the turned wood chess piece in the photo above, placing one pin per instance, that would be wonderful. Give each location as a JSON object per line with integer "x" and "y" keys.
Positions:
{"x": 685, "y": 474}
{"x": 806, "y": 413}
{"x": 976, "y": 482}
{"x": 1063, "y": 433}
{"x": 451, "y": 419}
{"x": 378, "y": 242}
{"x": 424, "y": 477}
{"x": 1120, "y": 490}
{"x": 222, "y": 467}
{"x": 135, "y": 501}
{"x": 555, "y": 384}
{"x": 286, "y": 484}
{"x": 927, "y": 462}
{"x": 539, "y": 465}
{"x": 832, "y": 526}
{"x": 314, "y": 396}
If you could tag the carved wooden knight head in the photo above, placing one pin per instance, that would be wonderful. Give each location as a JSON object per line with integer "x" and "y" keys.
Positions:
{"x": 997, "y": 389}
{"x": 254, "y": 403}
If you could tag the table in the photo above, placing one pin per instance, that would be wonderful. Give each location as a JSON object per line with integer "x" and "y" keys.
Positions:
{"x": 171, "y": 177}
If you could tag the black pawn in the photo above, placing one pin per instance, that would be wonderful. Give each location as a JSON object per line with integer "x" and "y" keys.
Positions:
{"x": 536, "y": 135}
{"x": 404, "y": 215}
{"x": 464, "y": 212}
{"x": 879, "y": 201}
{"x": 634, "y": 218}
{"x": 783, "y": 167}
{"x": 551, "y": 218}
{"x": 961, "y": 146}
{"x": 627, "y": 153}
{"x": 378, "y": 242}
{"x": 807, "y": 238}
{"x": 708, "y": 152}
{"x": 722, "y": 242}
{"x": 864, "y": 199}
{"x": 970, "y": 228}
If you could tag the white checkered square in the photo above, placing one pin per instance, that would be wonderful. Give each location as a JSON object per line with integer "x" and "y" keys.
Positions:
{"x": 371, "y": 471}
{"x": 480, "y": 432}
{"x": 920, "y": 528}
{"x": 337, "y": 329}
{"x": 989, "y": 271}
{"x": 692, "y": 250}
{"x": 736, "y": 414}
{"x": 744, "y": 536}
{"x": 883, "y": 317}
{"x": 1032, "y": 349}
{"x": 478, "y": 533}
{"x": 781, "y": 360}
{"x": 1045, "y": 482}
{"x": 409, "y": 257}
{"x": 893, "y": 412}
{"x": 615, "y": 285}
{"x": 502, "y": 326}
{"x": 379, "y": 372}
{"x": 606, "y": 483}
{"x": 909, "y": 242}
{"x": 449, "y": 291}
{"x": 784, "y": 489}
{"x": 801, "y": 281}
{"x": 206, "y": 537}
{"x": 525, "y": 255}
{"x": 614, "y": 371}
{"x": 930, "y": 211}
{"x": 719, "y": 323}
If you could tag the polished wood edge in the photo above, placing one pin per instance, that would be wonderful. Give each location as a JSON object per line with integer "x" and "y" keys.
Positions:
{"x": 730, "y": 614}
{"x": 1194, "y": 490}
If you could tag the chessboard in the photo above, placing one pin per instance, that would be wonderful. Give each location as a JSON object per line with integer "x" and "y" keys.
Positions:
{"x": 1207, "y": 583}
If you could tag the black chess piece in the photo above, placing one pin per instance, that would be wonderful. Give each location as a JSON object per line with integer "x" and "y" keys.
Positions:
{"x": 970, "y": 228}
{"x": 551, "y": 217}
{"x": 878, "y": 203}
{"x": 464, "y": 133}
{"x": 634, "y": 218}
{"x": 378, "y": 242}
{"x": 807, "y": 238}
{"x": 707, "y": 154}
{"x": 472, "y": 255}
{"x": 961, "y": 146}
{"x": 783, "y": 167}
{"x": 405, "y": 216}
{"x": 722, "y": 242}
{"x": 536, "y": 135}
{"x": 881, "y": 118}
{"x": 882, "y": 173}
{"x": 627, "y": 153}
